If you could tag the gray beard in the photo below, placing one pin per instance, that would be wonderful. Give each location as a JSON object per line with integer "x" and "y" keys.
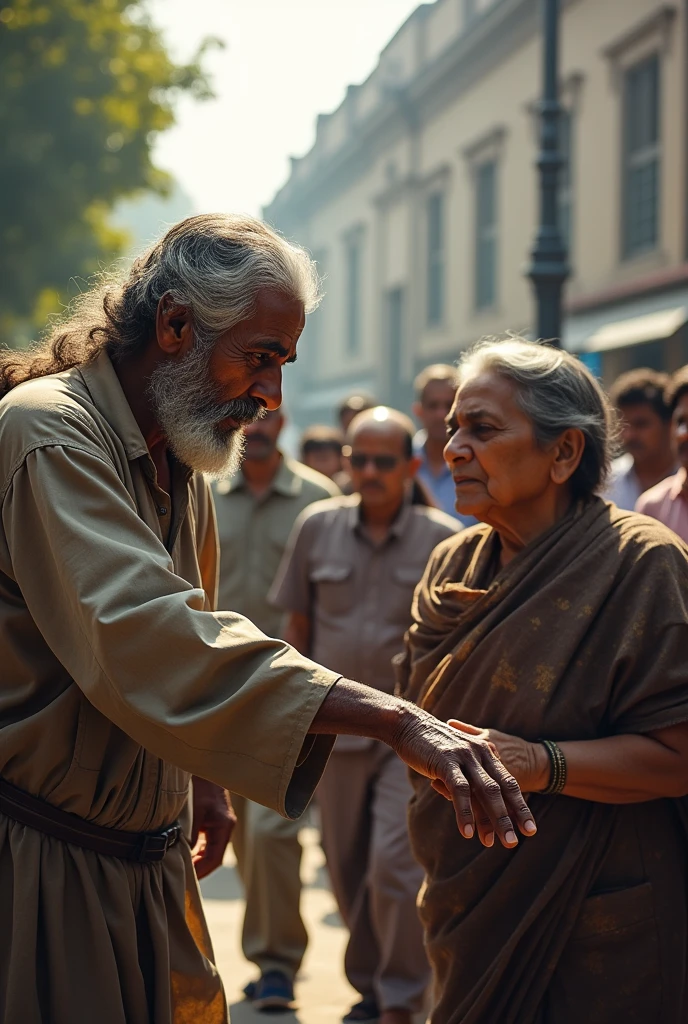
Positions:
{"x": 189, "y": 411}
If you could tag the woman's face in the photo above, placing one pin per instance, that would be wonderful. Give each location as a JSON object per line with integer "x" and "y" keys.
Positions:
{"x": 498, "y": 467}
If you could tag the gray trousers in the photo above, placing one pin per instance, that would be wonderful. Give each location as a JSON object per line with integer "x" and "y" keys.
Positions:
{"x": 268, "y": 853}
{"x": 363, "y": 797}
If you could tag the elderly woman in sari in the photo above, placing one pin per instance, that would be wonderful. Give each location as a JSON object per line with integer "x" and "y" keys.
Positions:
{"x": 558, "y": 628}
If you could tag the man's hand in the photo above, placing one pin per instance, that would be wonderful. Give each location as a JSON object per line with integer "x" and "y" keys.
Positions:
{"x": 213, "y": 823}
{"x": 528, "y": 762}
{"x": 464, "y": 767}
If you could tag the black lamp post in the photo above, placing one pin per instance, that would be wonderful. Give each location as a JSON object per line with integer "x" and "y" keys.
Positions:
{"x": 549, "y": 259}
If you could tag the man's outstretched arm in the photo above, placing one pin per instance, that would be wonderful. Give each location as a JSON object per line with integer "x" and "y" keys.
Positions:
{"x": 466, "y": 772}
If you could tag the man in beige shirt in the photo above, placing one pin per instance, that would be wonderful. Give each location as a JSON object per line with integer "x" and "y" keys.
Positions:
{"x": 118, "y": 678}
{"x": 256, "y": 508}
{"x": 347, "y": 583}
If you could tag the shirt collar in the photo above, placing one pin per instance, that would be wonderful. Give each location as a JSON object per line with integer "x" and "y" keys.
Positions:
{"x": 285, "y": 481}
{"x": 397, "y": 528}
{"x": 106, "y": 391}
{"x": 425, "y": 465}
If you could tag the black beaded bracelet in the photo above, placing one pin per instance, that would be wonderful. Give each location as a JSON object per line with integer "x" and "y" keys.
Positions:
{"x": 557, "y": 779}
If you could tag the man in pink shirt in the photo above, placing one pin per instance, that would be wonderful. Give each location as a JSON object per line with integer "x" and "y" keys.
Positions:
{"x": 667, "y": 501}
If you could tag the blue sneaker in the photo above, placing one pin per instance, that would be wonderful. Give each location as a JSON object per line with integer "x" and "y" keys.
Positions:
{"x": 366, "y": 1010}
{"x": 273, "y": 993}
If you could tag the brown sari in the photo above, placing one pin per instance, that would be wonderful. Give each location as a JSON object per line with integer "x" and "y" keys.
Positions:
{"x": 583, "y": 635}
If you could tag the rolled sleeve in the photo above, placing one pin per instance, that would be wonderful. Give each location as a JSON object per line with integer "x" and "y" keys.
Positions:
{"x": 204, "y": 690}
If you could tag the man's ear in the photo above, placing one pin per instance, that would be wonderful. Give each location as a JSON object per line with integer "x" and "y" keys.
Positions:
{"x": 173, "y": 327}
{"x": 417, "y": 409}
{"x": 568, "y": 452}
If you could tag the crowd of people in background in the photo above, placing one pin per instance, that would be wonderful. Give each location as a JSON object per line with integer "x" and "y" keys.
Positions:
{"x": 327, "y": 552}
{"x": 650, "y": 475}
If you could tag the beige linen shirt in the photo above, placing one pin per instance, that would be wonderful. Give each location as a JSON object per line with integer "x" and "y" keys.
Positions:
{"x": 254, "y": 532}
{"x": 118, "y": 679}
{"x": 357, "y": 594}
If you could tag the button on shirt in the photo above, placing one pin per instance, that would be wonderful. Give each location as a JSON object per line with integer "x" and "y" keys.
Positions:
{"x": 254, "y": 532}
{"x": 357, "y": 594}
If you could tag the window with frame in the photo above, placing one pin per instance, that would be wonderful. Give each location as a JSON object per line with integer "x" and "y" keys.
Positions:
{"x": 641, "y": 156}
{"x": 486, "y": 235}
{"x": 354, "y": 246}
{"x": 565, "y": 194}
{"x": 435, "y": 259}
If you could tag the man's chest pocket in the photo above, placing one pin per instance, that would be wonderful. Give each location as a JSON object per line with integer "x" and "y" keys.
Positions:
{"x": 405, "y": 579}
{"x": 333, "y": 587}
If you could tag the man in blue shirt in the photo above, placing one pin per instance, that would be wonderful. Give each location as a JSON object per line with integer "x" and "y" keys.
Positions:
{"x": 435, "y": 387}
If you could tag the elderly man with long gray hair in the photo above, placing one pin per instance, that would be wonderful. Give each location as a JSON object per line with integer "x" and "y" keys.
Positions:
{"x": 119, "y": 677}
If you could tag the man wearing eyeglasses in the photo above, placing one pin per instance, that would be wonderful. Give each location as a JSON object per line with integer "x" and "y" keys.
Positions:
{"x": 346, "y": 583}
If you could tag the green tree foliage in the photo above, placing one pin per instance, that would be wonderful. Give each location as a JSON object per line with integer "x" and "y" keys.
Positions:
{"x": 84, "y": 87}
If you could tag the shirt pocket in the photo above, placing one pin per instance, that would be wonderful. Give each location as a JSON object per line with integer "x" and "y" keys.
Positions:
{"x": 333, "y": 586}
{"x": 405, "y": 579}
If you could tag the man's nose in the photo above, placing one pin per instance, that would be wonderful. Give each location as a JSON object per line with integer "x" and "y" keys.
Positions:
{"x": 267, "y": 389}
{"x": 370, "y": 469}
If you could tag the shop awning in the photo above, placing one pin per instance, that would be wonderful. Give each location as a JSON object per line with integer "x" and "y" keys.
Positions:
{"x": 652, "y": 318}
{"x": 637, "y": 329}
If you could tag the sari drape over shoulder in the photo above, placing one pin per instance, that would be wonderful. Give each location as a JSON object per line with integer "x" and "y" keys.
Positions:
{"x": 583, "y": 635}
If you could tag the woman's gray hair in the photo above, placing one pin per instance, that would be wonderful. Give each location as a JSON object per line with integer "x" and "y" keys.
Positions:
{"x": 214, "y": 264}
{"x": 557, "y": 392}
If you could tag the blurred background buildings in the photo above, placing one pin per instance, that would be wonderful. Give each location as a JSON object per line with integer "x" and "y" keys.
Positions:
{"x": 419, "y": 197}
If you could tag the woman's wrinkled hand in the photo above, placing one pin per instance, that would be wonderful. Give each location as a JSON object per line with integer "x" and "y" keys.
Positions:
{"x": 463, "y": 767}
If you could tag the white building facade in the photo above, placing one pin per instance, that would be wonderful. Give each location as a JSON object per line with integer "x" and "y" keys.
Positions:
{"x": 419, "y": 196}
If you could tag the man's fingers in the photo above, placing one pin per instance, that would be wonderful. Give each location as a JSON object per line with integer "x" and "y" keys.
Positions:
{"x": 513, "y": 797}
{"x": 489, "y": 792}
{"x": 482, "y": 822}
{"x": 210, "y": 856}
{"x": 440, "y": 788}
{"x": 457, "y": 785}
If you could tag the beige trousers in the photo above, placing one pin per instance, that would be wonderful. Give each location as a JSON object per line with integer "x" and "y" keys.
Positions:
{"x": 363, "y": 798}
{"x": 268, "y": 854}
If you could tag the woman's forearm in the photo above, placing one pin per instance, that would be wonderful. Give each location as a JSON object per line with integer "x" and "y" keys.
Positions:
{"x": 624, "y": 769}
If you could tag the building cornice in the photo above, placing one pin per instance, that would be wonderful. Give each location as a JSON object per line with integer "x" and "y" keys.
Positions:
{"x": 504, "y": 28}
{"x": 659, "y": 22}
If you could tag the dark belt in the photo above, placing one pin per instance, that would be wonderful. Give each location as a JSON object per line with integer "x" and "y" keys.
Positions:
{"x": 70, "y": 828}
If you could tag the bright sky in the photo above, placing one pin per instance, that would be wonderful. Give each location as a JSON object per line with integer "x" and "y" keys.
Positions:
{"x": 285, "y": 61}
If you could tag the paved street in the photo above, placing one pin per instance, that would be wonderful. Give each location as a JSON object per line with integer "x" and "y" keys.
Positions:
{"x": 323, "y": 993}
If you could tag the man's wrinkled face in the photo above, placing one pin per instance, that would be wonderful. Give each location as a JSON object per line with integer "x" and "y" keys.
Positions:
{"x": 679, "y": 428}
{"x": 203, "y": 399}
{"x": 434, "y": 407}
{"x": 644, "y": 434}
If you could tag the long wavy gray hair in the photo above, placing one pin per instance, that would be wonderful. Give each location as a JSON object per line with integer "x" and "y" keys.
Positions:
{"x": 214, "y": 264}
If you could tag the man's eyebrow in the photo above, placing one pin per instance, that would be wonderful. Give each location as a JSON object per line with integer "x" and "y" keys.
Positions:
{"x": 272, "y": 345}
